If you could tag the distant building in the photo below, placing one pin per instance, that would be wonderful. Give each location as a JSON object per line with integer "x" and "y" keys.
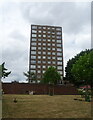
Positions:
{"x": 46, "y": 49}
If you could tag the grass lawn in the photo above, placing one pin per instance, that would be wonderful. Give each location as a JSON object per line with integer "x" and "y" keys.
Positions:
{"x": 45, "y": 106}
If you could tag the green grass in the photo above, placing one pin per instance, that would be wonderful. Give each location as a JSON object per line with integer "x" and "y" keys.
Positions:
{"x": 45, "y": 106}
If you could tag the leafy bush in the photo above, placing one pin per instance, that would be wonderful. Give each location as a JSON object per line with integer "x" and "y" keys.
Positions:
{"x": 85, "y": 94}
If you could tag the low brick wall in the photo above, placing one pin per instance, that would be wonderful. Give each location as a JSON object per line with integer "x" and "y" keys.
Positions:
{"x": 24, "y": 88}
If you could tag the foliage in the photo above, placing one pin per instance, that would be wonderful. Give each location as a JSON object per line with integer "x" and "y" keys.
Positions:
{"x": 82, "y": 72}
{"x": 3, "y": 70}
{"x": 31, "y": 75}
{"x": 85, "y": 94}
{"x": 70, "y": 63}
{"x": 83, "y": 68}
{"x": 51, "y": 76}
{"x": 81, "y": 92}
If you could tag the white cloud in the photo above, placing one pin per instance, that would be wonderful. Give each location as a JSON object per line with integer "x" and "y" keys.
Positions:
{"x": 83, "y": 41}
{"x": 17, "y": 18}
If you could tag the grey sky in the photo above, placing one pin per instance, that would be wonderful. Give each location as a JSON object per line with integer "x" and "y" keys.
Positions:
{"x": 17, "y": 17}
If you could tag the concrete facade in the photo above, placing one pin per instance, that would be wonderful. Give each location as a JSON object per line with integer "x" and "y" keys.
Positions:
{"x": 46, "y": 49}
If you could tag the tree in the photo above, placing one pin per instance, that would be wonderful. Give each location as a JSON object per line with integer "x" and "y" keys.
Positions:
{"x": 69, "y": 75}
{"x": 3, "y": 70}
{"x": 83, "y": 68}
{"x": 51, "y": 76}
{"x": 3, "y": 74}
{"x": 31, "y": 76}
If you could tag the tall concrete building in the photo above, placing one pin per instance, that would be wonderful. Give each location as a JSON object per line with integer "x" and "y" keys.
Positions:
{"x": 46, "y": 49}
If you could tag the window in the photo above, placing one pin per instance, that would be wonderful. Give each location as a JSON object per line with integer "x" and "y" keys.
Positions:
{"x": 48, "y": 66}
{"x": 33, "y": 43}
{"x": 49, "y": 44}
{"x": 33, "y": 57}
{"x": 44, "y": 35}
{"x": 53, "y": 32}
{"x": 33, "y": 35}
{"x": 53, "y": 40}
{"x": 44, "y": 57}
{"x": 39, "y": 57}
{"x": 44, "y": 27}
{"x": 58, "y": 41}
{"x": 58, "y": 33}
{"x": 44, "y": 39}
{"x": 39, "y": 48}
{"x": 53, "y": 36}
{"x": 48, "y": 36}
{"x": 33, "y": 66}
{"x": 49, "y": 53}
{"x": 38, "y": 66}
{"x": 39, "y": 35}
{"x": 58, "y": 49}
{"x": 53, "y": 62}
{"x": 58, "y": 37}
{"x": 34, "y": 27}
{"x": 33, "y": 71}
{"x": 53, "y": 44}
{"x": 60, "y": 72}
{"x": 39, "y": 39}
{"x": 48, "y": 32}
{"x": 59, "y": 67}
{"x": 39, "y": 43}
{"x": 44, "y": 48}
{"x": 58, "y": 29}
{"x": 58, "y": 45}
{"x": 33, "y": 39}
{"x": 53, "y": 28}
{"x": 49, "y": 62}
{"x": 38, "y": 71}
{"x": 39, "y": 61}
{"x": 33, "y": 48}
{"x": 38, "y": 81}
{"x": 39, "y": 31}
{"x": 44, "y": 62}
{"x": 53, "y": 53}
{"x": 43, "y": 71}
{"x": 44, "y": 31}
{"x": 59, "y": 63}
{"x": 39, "y": 27}
{"x": 48, "y": 28}
{"x": 34, "y": 31}
{"x": 49, "y": 58}
{"x": 49, "y": 40}
{"x": 39, "y": 52}
{"x": 54, "y": 66}
{"x": 53, "y": 48}
{"x": 33, "y": 52}
{"x": 53, "y": 57}
{"x": 44, "y": 44}
{"x": 44, "y": 53}
{"x": 38, "y": 76}
{"x": 59, "y": 54}
{"x": 33, "y": 62}
{"x": 49, "y": 48}
{"x": 59, "y": 58}
{"x": 44, "y": 66}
